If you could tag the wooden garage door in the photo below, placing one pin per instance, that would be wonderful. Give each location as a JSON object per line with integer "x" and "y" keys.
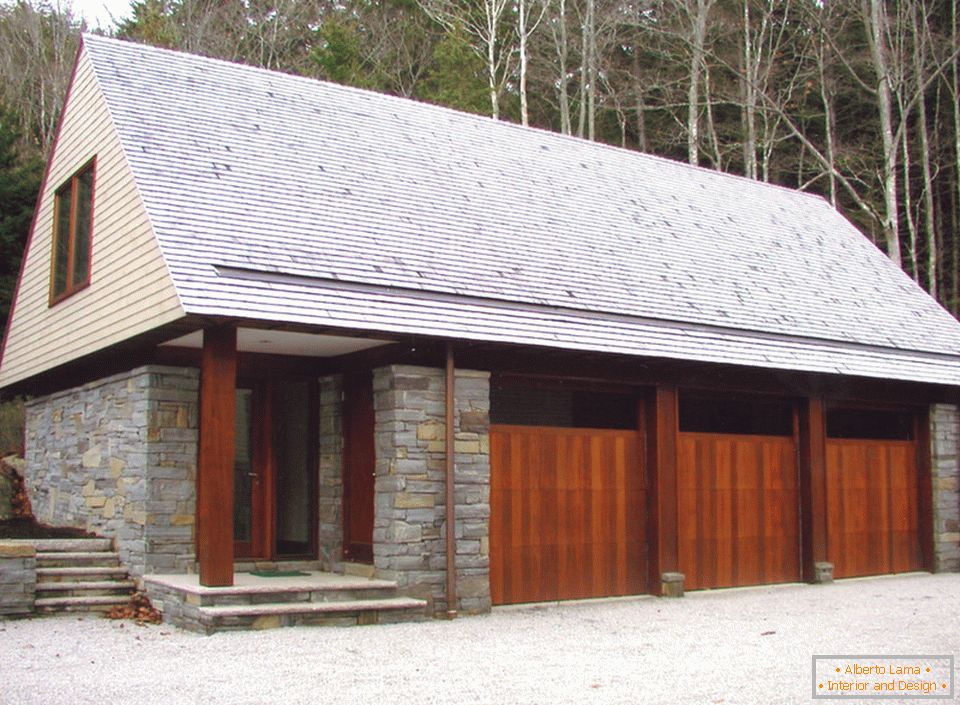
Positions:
{"x": 566, "y": 514}
{"x": 738, "y": 511}
{"x": 872, "y": 507}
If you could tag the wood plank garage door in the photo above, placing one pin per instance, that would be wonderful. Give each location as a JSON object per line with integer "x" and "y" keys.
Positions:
{"x": 872, "y": 525}
{"x": 566, "y": 514}
{"x": 738, "y": 510}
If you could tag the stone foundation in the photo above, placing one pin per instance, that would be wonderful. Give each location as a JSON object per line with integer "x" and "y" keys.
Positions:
{"x": 118, "y": 457}
{"x": 945, "y": 478}
{"x": 18, "y": 579}
{"x": 409, "y": 543}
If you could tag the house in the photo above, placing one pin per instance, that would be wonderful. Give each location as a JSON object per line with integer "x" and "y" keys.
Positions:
{"x": 266, "y": 319}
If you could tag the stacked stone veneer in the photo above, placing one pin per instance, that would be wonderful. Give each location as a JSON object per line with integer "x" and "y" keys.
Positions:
{"x": 945, "y": 471}
{"x": 18, "y": 579}
{"x": 409, "y": 543}
{"x": 330, "y": 501}
{"x": 118, "y": 457}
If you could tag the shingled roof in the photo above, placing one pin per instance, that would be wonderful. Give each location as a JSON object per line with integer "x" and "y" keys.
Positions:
{"x": 281, "y": 198}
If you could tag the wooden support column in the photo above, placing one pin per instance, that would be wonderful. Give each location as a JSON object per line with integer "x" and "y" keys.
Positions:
{"x": 662, "y": 422}
{"x": 812, "y": 446}
{"x": 925, "y": 529}
{"x": 218, "y": 382}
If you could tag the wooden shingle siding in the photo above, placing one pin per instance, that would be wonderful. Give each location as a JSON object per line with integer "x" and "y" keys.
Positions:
{"x": 130, "y": 291}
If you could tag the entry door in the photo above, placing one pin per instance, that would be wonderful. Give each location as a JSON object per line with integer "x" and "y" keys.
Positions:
{"x": 252, "y": 474}
{"x": 274, "y": 471}
{"x": 359, "y": 466}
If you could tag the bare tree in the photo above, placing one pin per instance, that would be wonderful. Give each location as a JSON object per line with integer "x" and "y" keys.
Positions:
{"x": 529, "y": 15}
{"x": 483, "y": 22}
{"x": 38, "y": 43}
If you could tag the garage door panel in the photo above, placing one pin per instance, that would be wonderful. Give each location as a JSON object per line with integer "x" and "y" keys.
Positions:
{"x": 872, "y": 507}
{"x": 566, "y": 515}
{"x": 738, "y": 511}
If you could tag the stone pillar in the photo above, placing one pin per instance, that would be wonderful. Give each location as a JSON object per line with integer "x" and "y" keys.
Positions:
{"x": 118, "y": 457}
{"x": 945, "y": 479}
{"x": 330, "y": 500}
{"x": 410, "y": 512}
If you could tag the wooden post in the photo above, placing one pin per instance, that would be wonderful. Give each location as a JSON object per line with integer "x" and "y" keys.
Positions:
{"x": 662, "y": 421}
{"x": 450, "y": 477}
{"x": 925, "y": 529}
{"x": 813, "y": 486}
{"x": 218, "y": 382}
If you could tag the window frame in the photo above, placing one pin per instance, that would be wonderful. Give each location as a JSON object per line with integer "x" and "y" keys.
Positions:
{"x": 72, "y": 183}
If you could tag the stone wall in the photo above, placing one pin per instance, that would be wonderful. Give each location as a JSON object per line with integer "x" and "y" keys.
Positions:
{"x": 945, "y": 471}
{"x": 18, "y": 579}
{"x": 118, "y": 457}
{"x": 409, "y": 543}
{"x": 330, "y": 500}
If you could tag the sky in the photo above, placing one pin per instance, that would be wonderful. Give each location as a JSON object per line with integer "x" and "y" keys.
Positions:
{"x": 98, "y": 12}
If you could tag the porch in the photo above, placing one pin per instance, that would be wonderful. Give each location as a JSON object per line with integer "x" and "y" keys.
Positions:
{"x": 280, "y": 598}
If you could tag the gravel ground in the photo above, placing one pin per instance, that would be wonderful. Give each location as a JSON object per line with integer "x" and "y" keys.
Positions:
{"x": 729, "y": 646}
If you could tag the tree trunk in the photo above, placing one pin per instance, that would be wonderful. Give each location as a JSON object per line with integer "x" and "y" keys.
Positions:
{"x": 562, "y": 56}
{"x": 877, "y": 24}
{"x": 698, "y": 20}
{"x": 522, "y": 30}
{"x": 748, "y": 89}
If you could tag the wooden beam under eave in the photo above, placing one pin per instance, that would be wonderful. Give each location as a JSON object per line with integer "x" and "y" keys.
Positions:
{"x": 662, "y": 428}
{"x": 218, "y": 382}
{"x": 812, "y": 442}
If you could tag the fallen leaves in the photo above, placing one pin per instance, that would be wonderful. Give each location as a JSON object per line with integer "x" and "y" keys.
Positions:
{"x": 138, "y": 609}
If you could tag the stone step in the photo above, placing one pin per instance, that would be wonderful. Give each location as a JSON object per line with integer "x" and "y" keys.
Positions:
{"x": 289, "y": 614}
{"x": 77, "y": 558}
{"x": 61, "y": 574}
{"x": 49, "y": 545}
{"x": 92, "y": 603}
{"x": 330, "y": 588}
{"x": 87, "y": 587}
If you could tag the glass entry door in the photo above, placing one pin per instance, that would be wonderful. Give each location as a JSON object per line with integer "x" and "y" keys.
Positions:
{"x": 274, "y": 470}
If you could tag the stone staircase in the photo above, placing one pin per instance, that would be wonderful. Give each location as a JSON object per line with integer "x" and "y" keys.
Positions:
{"x": 315, "y": 599}
{"x": 80, "y": 575}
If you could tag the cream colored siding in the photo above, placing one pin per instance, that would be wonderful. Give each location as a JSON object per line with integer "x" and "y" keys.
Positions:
{"x": 130, "y": 290}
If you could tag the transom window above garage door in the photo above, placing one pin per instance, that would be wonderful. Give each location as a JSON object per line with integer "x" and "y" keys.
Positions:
{"x": 517, "y": 404}
{"x": 707, "y": 413}
{"x": 870, "y": 424}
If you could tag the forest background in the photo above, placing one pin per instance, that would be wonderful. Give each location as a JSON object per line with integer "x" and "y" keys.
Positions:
{"x": 856, "y": 100}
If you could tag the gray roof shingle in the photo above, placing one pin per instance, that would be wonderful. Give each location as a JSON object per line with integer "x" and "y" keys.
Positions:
{"x": 283, "y": 198}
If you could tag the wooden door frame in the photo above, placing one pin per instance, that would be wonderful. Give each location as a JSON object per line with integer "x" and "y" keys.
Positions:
{"x": 350, "y": 552}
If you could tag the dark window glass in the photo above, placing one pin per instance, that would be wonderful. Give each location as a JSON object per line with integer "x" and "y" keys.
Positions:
{"x": 81, "y": 236}
{"x": 61, "y": 247}
{"x": 72, "y": 233}
{"x": 760, "y": 417}
{"x": 567, "y": 408}
{"x": 870, "y": 424}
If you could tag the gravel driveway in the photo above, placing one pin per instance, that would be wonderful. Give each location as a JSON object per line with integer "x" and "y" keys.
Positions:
{"x": 731, "y": 646}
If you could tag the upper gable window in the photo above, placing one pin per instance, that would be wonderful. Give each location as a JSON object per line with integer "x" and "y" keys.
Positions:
{"x": 73, "y": 222}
